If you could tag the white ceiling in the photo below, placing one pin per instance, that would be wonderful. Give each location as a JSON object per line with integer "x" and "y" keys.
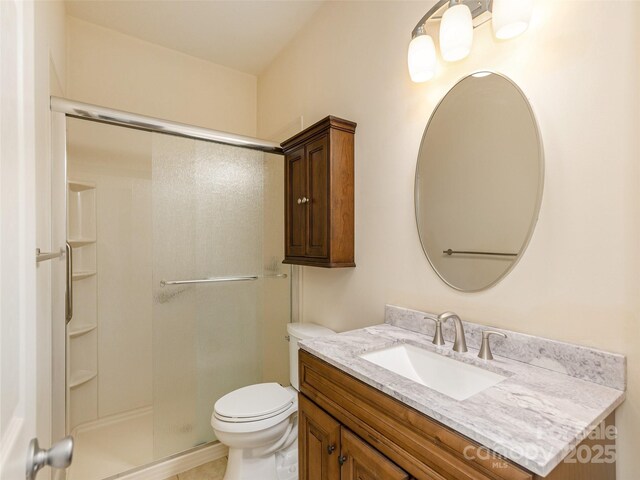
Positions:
{"x": 245, "y": 35}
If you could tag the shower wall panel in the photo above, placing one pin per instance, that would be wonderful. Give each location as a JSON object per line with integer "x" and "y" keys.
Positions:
{"x": 118, "y": 162}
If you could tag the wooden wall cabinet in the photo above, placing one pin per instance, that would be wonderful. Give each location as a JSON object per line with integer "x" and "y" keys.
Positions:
{"x": 319, "y": 195}
{"x": 349, "y": 430}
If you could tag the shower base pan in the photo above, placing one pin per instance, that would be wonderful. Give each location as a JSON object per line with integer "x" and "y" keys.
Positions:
{"x": 122, "y": 448}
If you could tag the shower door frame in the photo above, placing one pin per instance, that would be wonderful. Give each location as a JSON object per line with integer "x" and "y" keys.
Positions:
{"x": 62, "y": 108}
{"x": 136, "y": 121}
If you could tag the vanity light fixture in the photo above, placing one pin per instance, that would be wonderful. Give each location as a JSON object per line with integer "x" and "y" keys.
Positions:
{"x": 422, "y": 57}
{"x": 456, "y": 32}
{"x": 510, "y": 17}
{"x": 458, "y": 18}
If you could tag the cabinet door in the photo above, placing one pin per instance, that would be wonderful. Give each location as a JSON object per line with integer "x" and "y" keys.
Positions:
{"x": 361, "y": 462}
{"x": 317, "y": 153}
{"x": 296, "y": 211}
{"x": 319, "y": 443}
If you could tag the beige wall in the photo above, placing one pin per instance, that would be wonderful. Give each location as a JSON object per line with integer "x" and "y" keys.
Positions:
{"x": 580, "y": 277}
{"x": 118, "y": 71}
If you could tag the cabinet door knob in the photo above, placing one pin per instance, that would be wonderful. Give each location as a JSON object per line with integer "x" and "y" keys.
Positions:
{"x": 299, "y": 201}
{"x": 331, "y": 449}
{"x": 305, "y": 200}
{"x": 342, "y": 459}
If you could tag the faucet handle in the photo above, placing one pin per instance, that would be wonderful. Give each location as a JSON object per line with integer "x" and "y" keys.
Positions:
{"x": 438, "y": 339}
{"x": 485, "y": 348}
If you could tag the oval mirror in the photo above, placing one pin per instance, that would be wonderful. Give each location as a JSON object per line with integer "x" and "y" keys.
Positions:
{"x": 479, "y": 180}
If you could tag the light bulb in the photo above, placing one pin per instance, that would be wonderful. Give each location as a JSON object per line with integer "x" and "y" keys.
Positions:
{"x": 510, "y": 18}
{"x": 421, "y": 57}
{"x": 456, "y": 33}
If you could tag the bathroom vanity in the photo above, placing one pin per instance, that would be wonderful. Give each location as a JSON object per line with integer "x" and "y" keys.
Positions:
{"x": 358, "y": 420}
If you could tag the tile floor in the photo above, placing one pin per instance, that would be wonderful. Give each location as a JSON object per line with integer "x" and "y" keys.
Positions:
{"x": 209, "y": 471}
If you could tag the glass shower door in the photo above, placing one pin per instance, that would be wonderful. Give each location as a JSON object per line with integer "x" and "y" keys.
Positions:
{"x": 146, "y": 363}
{"x": 212, "y": 210}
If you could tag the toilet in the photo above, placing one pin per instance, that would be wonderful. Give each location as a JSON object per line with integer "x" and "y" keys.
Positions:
{"x": 259, "y": 423}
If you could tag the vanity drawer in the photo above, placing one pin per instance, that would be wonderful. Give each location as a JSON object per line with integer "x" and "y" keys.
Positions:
{"x": 419, "y": 445}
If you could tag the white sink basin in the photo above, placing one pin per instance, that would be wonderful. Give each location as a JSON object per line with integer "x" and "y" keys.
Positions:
{"x": 444, "y": 374}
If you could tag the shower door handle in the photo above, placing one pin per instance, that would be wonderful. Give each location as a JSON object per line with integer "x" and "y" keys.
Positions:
{"x": 69, "y": 299}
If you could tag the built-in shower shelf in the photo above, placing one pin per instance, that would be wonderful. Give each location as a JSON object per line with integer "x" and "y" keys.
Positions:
{"x": 81, "y": 330}
{"x": 75, "y": 186}
{"x": 83, "y": 275}
{"x": 80, "y": 242}
{"x": 81, "y": 377}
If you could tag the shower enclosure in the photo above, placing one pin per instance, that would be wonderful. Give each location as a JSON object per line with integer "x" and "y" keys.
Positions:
{"x": 178, "y": 291}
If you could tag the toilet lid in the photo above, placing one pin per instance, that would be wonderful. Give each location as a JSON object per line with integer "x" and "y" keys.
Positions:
{"x": 255, "y": 401}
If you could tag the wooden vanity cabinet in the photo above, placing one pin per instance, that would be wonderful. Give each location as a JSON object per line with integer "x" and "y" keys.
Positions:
{"x": 362, "y": 462}
{"x": 349, "y": 430}
{"x": 329, "y": 451}
{"x": 319, "y": 195}
{"x": 319, "y": 439}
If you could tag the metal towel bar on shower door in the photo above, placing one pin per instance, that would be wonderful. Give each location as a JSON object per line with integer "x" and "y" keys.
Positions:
{"x": 248, "y": 278}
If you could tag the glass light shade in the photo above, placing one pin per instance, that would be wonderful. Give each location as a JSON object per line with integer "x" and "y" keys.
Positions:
{"x": 456, "y": 33}
{"x": 510, "y": 18}
{"x": 422, "y": 58}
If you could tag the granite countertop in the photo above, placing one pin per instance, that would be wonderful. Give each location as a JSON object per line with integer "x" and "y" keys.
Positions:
{"x": 534, "y": 417}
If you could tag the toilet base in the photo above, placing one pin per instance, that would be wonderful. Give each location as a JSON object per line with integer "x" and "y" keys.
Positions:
{"x": 243, "y": 465}
{"x": 287, "y": 462}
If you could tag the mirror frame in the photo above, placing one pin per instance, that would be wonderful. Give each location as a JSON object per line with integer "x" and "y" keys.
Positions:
{"x": 536, "y": 213}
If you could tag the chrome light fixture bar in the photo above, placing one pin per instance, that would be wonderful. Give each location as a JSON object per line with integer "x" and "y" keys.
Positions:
{"x": 457, "y": 19}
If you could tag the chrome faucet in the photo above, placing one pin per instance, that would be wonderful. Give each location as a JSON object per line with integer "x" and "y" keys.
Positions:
{"x": 460, "y": 343}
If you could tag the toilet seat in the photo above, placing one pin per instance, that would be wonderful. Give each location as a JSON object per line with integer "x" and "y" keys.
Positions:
{"x": 254, "y": 403}
{"x": 253, "y": 426}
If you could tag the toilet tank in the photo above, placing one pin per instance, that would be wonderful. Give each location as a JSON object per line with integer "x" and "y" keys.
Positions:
{"x": 297, "y": 332}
